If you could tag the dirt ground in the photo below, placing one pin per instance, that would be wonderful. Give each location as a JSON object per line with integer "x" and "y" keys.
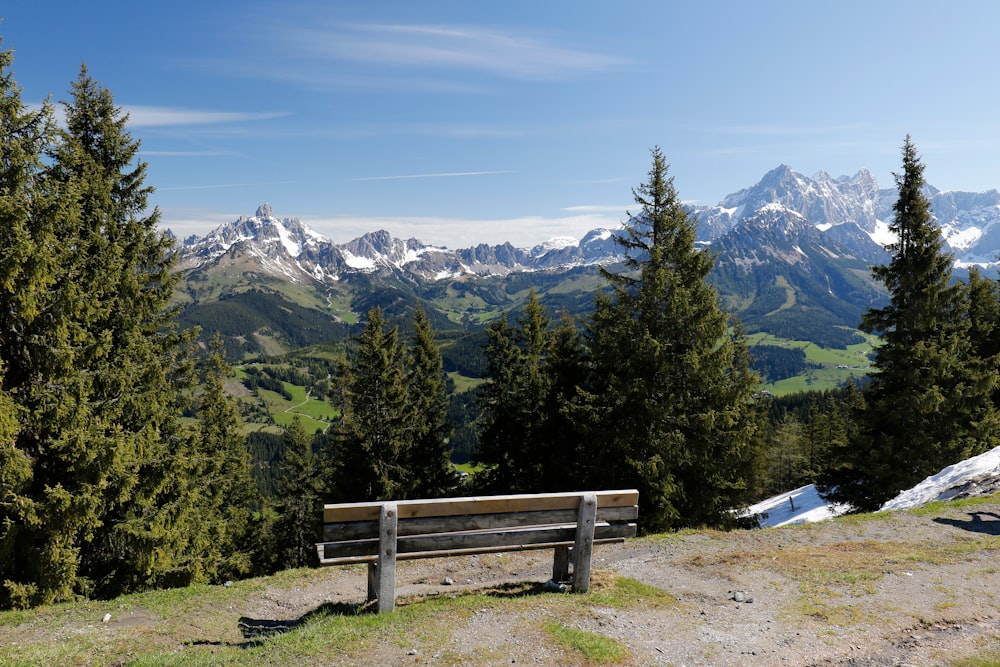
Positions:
{"x": 904, "y": 589}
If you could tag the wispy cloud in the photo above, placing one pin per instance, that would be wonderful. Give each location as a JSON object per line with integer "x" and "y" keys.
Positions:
{"x": 190, "y": 153}
{"x": 452, "y": 174}
{"x": 594, "y": 208}
{"x": 451, "y": 47}
{"x": 221, "y": 186}
{"x": 782, "y": 130}
{"x": 150, "y": 116}
{"x": 467, "y": 59}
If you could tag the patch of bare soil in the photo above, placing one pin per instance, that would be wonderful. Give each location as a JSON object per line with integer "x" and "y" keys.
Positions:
{"x": 901, "y": 589}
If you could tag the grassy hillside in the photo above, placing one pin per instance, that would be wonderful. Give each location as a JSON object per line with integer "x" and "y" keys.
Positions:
{"x": 826, "y": 368}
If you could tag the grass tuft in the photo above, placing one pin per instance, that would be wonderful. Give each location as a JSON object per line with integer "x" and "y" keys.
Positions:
{"x": 594, "y": 648}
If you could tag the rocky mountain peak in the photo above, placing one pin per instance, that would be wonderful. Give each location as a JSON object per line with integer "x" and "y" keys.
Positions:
{"x": 849, "y": 211}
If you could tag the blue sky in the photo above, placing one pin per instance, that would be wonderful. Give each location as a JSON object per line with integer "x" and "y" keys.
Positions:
{"x": 465, "y": 122}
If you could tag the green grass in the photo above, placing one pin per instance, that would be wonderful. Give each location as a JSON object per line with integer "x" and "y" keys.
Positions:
{"x": 592, "y": 647}
{"x": 464, "y": 383}
{"x": 315, "y": 414}
{"x": 938, "y": 506}
{"x": 206, "y": 625}
{"x": 467, "y": 467}
{"x": 831, "y": 367}
{"x": 989, "y": 658}
{"x": 626, "y": 593}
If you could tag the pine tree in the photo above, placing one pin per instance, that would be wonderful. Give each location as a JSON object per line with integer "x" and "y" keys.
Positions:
{"x": 134, "y": 364}
{"x": 15, "y": 481}
{"x": 299, "y": 493}
{"x": 91, "y": 355}
{"x": 427, "y": 462}
{"x": 670, "y": 403}
{"x": 929, "y": 402}
{"x": 563, "y": 463}
{"x": 375, "y": 428}
{"x": 26, "y": 271}
{"x": 983, "y": 305}
{"x": 59, "y": 493}
{"x": 225, "y": 490}
{"x": 524, "y": 432}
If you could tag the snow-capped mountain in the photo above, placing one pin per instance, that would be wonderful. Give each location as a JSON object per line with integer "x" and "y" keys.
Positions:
{"x": 856, "y": 213}
{"x": 286, "y": 247}
{"x": 793, "y": 257}
{"x": 845, "y": 215}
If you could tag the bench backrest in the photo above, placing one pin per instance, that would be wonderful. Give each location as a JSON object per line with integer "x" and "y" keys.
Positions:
{"x": 351, "y": 530}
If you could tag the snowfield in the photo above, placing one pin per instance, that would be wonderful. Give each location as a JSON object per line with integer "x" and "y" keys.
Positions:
{"x": 805, "y": 505}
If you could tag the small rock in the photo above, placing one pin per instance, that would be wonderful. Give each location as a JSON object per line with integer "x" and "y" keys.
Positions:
{"x": 447, "y": 581}
{"x": 741, "y": 596}
{"x": 412, "y": 651}
{"x": 106, "y": 619}
{"x": 228, "y": 584}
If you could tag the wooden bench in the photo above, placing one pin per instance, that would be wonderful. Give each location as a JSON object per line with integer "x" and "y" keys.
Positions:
{"x": 380, "y": 533}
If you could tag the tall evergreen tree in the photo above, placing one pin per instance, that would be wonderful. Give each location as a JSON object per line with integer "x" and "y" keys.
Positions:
{"x": 375, "y": 427}
{"x": 929, "y": 403}
{"x": 90, "y": 354}
{"x": 512, "y": 404}
{"x": 670, "y": 404}
{"x": 426, "y": 461}
{"x": 299, "y": 493}
{"x": 563, "y": 463}
{"x": 225, "y": 490}
{"x": 28, "y": 260}
{"x": 134, "y": 363}
{"x": 983, "y": 305}
{"x": 528, "y": 440}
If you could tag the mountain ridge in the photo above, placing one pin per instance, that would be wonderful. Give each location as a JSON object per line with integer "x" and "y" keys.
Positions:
{"x": 969, "y": 221}
{"x": 793, "y": 257}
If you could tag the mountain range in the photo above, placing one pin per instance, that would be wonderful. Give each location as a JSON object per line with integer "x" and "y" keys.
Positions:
{"x": 793, "y": 257}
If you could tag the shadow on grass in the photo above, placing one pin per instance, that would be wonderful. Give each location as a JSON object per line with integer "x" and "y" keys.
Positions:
{"x": 976, "y": 524}
{"x": 256, "y": 631}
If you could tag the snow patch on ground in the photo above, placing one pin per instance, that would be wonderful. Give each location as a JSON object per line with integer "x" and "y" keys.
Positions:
{"x": 806, "y": 505}
{"x": 945, "y": 484}
{"x": 803, "y": 505}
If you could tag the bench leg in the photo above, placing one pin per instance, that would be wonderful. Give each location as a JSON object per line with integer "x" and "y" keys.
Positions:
{"x": 560, "y": 564}
{"x": 372, "y": 582}
{"x": 583, "y": 548}
{"x": 386, "y": 568}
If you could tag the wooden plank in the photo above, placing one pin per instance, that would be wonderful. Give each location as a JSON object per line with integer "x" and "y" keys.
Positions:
{"x": 359, "y": 530}
{"x": 583, "y": 548}
{"x": 506, "y": 539}
{"x": 359, "y": 560}
{"x": 388, "y": 543}
{"x": 342, "y": 512}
